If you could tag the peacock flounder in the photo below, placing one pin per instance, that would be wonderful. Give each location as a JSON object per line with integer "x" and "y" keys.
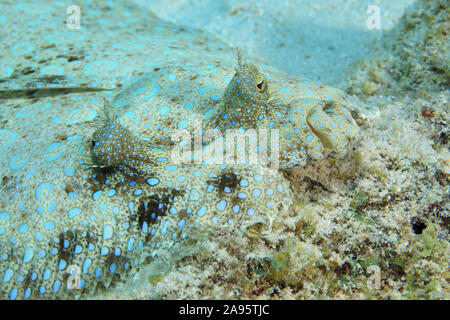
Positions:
{"x": 87, "y": 199}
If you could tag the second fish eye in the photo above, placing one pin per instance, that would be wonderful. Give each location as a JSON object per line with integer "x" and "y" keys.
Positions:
{"x": 260, "y": 85}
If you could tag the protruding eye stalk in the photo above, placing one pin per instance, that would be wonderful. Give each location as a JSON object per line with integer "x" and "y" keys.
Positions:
{"x": 260, "y": 85}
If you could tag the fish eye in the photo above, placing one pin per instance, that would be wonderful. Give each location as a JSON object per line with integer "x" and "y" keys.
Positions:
{"x": 260, "y": 85}
{"x": 93, "y": 143}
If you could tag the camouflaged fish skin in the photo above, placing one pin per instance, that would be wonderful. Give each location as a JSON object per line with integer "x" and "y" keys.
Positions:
{"x": 85, "y": 201}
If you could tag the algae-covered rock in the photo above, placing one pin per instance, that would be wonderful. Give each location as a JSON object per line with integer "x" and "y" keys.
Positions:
{"x": 413, "y": 57}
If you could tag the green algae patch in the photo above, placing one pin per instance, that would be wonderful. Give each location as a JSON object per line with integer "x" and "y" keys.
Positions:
{"x": 154, "y": 278}
{"x": 295, "y": 264}
{"x": 430, "y": 258}
{"x": 428, "y": 245}
{"x": 359, "y": 199}
{"x": 279, "y": 266}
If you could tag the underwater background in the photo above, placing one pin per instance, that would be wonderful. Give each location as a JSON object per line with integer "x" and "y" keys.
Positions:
{"x": 116, "y": 119}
